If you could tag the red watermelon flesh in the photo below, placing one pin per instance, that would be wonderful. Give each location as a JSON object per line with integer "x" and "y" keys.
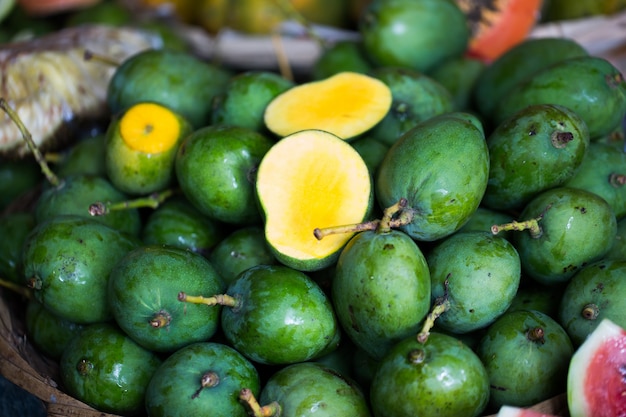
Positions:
{"x": 596, "y": 383}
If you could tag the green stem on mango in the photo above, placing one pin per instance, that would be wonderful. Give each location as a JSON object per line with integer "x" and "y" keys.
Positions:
{"x": 19, "y": 289}
{"x": 50, "y": 176}
{"x": 209, "y": 379}
{"x": 536, "y": 334}
{"x": 219, "y": 299}
{"x": 532, "y": 225}
{"x": 92, "y": 56}
{"x": 154, "y": 200}
{"x": 256, "y": 410}
{"x": 441, "y": 305}
{"x": 403, "y": 217}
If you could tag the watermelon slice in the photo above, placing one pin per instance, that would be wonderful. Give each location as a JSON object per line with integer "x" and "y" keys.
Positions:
{"x": 508, "y": 411}
{"x": 596, "y": 380}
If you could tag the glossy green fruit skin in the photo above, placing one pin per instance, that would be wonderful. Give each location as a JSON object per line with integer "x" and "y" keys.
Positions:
{"x": 597, "y": 81}
{"x": 522, "y": 371}
{"x": 517, "y": 64}
{"x": 47, "y": 332}
{"x": 603, "y": 172}
{"x": 86, "y": 157}
{"x": 441, "y": 167}
{"x": 341, "y": 56}
{"x": 104, "y": 368}
{"x": 417, "y": 34}
{"x": 245, "y": 98}
{"x": 174, "y": 79}
{"x": 178, "y": 223}
{"x": 77, "y": 192}
{"x": 539, "y": 147}
{"x": 618, "y": 249}
{"x": 215, "y": 168}
{"x": 144, "y": 287}
{"x": 450, "y": 381}
{"x": 137, "y": 172}
{"x": 597, "y": 291}
{"x": 283, "y": 316}
{"x": 459, "y": 76}
{"x": 175, "y": 389}
{"x": 310, "y": 389}
{"x": 484, "y": 218}
{"x": 380, "y": 290}
{"x": 535, "y": 296}
{"x": 16, "y": 227}
{"x": 415, "y": 98}
{"x": 482, "y": 273}
{"x": 578, "y": 227}
{"x": 68, "y": 260}
{"x": 242, "y": 249}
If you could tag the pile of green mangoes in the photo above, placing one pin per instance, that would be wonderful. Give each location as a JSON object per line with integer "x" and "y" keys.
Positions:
{"x": 146, "y": 273}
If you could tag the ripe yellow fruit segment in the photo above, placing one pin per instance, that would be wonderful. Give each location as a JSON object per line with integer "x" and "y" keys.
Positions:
{"x": 149, "y": 128}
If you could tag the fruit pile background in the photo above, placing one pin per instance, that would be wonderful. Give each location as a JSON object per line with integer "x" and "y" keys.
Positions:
{"x": 287, "y": 44}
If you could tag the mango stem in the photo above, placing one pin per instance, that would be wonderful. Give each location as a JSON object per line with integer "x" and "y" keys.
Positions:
{"x": 441, "y": 305}
{"x": 154, "y": 200}
{"x": 19, "y": 289}
{"x": 403, "y": 217}
{"x": 41, "y": 160}
{"x": 273, "y": 409}
{"x": 92, "y": 56}
{"x": 532, "y": 225}
{"x": 218, "y": 299}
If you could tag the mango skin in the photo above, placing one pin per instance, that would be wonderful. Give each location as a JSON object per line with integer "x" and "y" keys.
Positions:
{"x": 451, "y": 380}
{"x": 381, "y": 289}
{"x": 577, "y": 227}
{"x": 523, "y": 372}
{"x": 283, "y": 316}
{"x": 441, "y": 167}
{"x": 595, "y": 172}
{"x": 537, "y": 148}
{"x": 416, "y": 34}
{"x": 602, "y": 284}
{"x": 516, "y": 65}
{"x": 70, "y": 259}
{"x": 298, "y": 387}
{"x": 590, "y": 86}
{"x": 482, "y": 272}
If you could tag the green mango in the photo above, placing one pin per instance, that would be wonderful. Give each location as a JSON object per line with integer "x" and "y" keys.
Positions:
{"x": 535, "y": 296}
{"x": 85, "y": 157}
{"x": 459, "y": 76}
{"x": 216, "y": 166}
{"x": 371, "y": 150}
{"x": 67, "y": 261}
{"x": 595, "y": 292}
{"x": 415, "y": 97}
{"x": 49, "y": 333}
{"x": 518, "y": 64}
{"x": 245, "y": 97}
{"x": 15, "y": 227}
{"x": 345, "y": 55}
{"x": 539, "y": 147}
{"x": 300, "y": 389}
{"x": 575, "y": 227}
{"x": 526, "y": 355}
{"x": 101, "y": 366}
{"x": 417, "y": 34}
{"x": 199, "y": 379}
{"x": 441, "y": 167}
{"x": 596, "y": 81}
{"x": 603, "y": 172}
{"x": 484, "y": 218}
{"x": 440, "y": 378}
{"x": 143, "y": 296}
{"x": 243, "y": 248}
{"x": 75, "y": 194}
{"x": 178, "y": 223}
{"x": 618, "y": 249}
{"x": 478, "y": 274}
{"x": 281, "y": 316}
{"x": 175, "y": 79}
{"x": 381, "y": 289}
